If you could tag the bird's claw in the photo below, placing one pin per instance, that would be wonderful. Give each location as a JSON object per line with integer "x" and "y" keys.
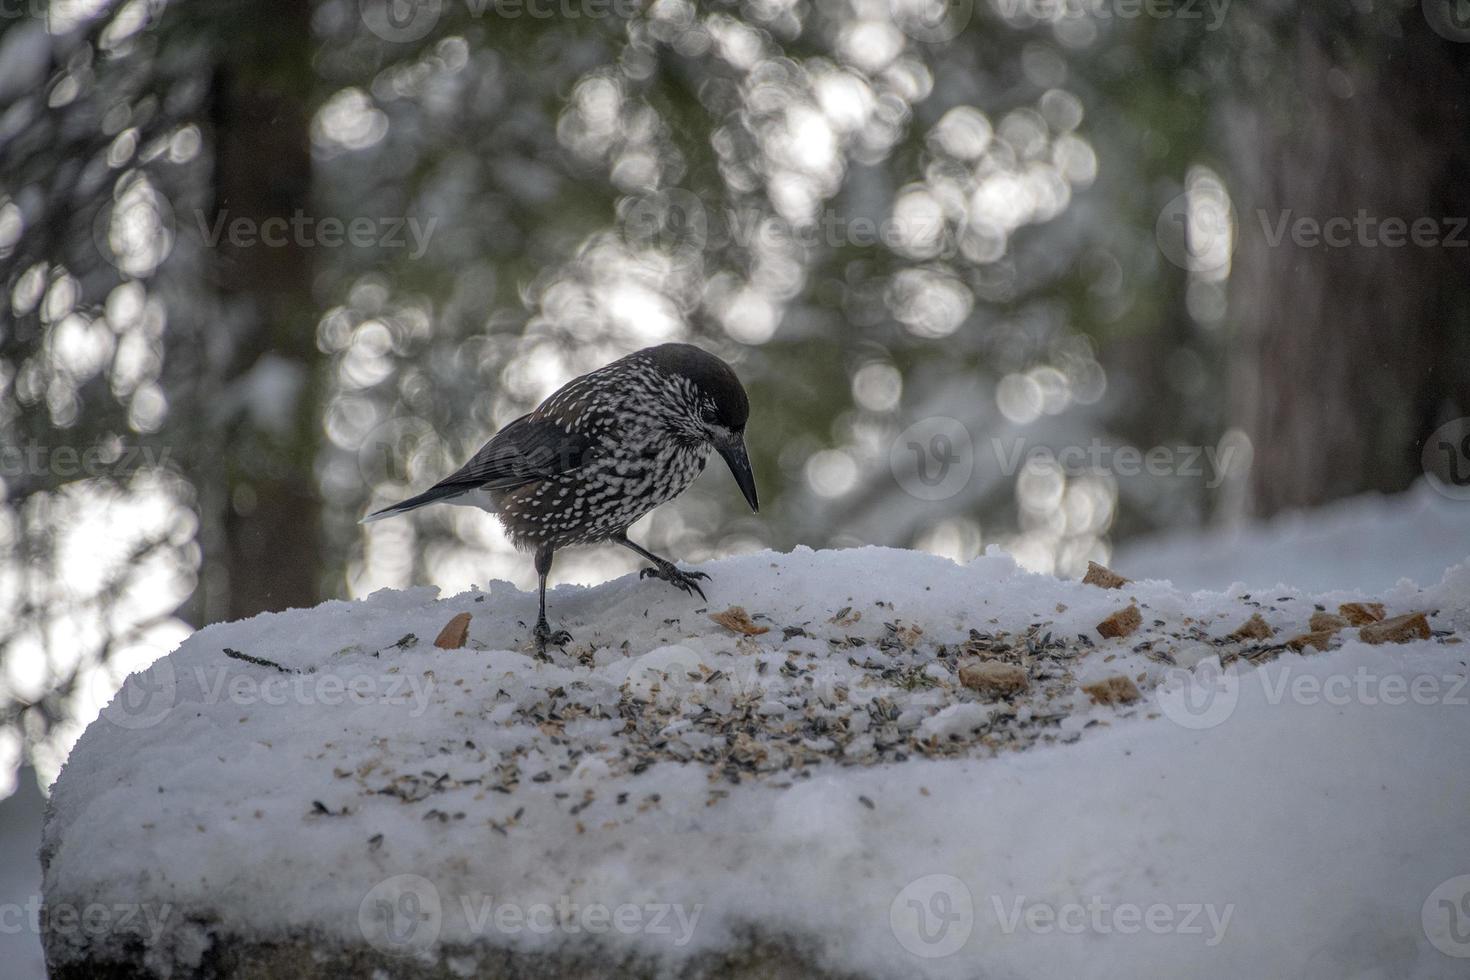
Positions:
{"x": 688, "y": 581}
{"x": 545, "y": 636}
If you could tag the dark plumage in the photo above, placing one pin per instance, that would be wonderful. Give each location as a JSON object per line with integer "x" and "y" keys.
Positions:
{"x": 602, "y": 451}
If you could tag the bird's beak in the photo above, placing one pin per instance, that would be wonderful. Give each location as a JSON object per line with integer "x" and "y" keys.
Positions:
{"x": 733, "y": 449}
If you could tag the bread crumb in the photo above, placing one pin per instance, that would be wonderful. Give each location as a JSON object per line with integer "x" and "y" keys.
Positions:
{"x": 1103, "y": 577}
{"x": 1361, "y": 613}
{"x": 994, "y": 678}
{"x": 1121, "y": 623}
{"x": 1325, "y": 621}
{"x": 1399, "y": 629}
{"x": 1254, "y": 628}
{"x": 454, "y": 633}
{"x": 1317, "y": 639}
{"x": 1117, "y": 689}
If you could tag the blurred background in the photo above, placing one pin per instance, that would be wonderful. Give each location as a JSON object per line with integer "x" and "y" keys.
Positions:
{"x": 1058, "y": 276}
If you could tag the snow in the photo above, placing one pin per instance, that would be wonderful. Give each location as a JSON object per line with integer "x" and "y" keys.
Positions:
{"x": 1365, "y": 542}
{"x": 668, "y": 788}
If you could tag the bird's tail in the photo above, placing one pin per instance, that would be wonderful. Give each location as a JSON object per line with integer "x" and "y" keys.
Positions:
{"x": 429, "y": 496}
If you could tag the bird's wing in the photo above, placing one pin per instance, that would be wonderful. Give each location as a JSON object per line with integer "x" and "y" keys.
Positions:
{"x": 533, "y": 447}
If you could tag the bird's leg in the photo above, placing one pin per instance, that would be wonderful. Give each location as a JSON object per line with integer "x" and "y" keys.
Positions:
{"x": 543, "y": 632}
{"x": 665, "y": 569}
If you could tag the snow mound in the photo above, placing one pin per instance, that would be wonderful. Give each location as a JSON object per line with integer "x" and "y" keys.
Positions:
{"x": 1366, "y": 542}
{"x": 833, "y": 784}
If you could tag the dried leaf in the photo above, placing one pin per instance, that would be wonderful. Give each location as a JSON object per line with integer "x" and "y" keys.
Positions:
{"x": 738, "y": 620}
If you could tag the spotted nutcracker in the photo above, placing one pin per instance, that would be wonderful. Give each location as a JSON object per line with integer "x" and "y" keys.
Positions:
{"x": 599, "y": 453}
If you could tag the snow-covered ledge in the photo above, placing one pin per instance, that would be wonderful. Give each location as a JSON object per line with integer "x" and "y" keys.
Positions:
{"x": 893, "y": 767}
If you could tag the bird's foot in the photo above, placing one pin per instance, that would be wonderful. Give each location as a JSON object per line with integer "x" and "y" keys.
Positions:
{"x": 688, "y": 581}
{"x": 545, "y": 636}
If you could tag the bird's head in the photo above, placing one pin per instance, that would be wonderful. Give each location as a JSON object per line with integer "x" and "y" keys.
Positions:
{"x": 712, "y": 407}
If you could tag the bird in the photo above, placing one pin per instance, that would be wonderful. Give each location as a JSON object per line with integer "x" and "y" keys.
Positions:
{"x": 599, "y": 453}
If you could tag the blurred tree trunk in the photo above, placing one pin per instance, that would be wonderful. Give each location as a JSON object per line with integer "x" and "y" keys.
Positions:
{"x": 1347, "y": 357}
{"x": 261, "y": 487}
